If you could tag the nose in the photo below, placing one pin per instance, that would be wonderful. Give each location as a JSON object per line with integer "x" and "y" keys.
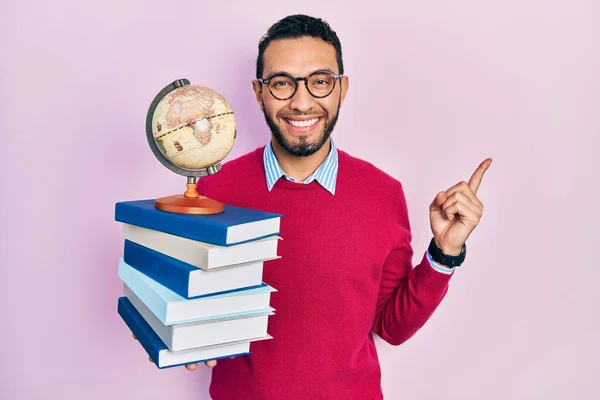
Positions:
{"x": 302, "y": 100}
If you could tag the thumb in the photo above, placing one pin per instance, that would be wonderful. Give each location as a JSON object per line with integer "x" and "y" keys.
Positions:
{"x": 438, "y": 201}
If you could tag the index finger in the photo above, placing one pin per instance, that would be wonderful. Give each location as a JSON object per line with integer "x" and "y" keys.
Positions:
{"x": 477, "y": 176}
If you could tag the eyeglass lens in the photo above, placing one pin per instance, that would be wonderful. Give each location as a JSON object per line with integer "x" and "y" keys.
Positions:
{"x": 319, "y": 85}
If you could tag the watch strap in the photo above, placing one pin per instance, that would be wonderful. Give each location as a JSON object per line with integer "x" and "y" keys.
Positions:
{"x": 444, "y": 259}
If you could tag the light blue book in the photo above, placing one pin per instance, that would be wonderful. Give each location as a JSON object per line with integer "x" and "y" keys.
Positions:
{"x": 171, "y": 308}
{"x": 205, "y": 332}
{"x": 162, "y": 356}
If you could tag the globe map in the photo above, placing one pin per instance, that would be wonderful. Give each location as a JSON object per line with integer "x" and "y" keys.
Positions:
{"x": 194, "y": 127}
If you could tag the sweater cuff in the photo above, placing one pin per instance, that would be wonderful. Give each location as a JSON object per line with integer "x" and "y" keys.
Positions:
{"x": 438, "y": 267}
{"x": 431, "y": 279}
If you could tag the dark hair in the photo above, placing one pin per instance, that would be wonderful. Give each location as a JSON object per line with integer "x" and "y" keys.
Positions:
{"x": 296, "y": 26}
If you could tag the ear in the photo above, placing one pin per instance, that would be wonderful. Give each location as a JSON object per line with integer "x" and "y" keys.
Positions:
{"x": 345, "y": 83}
{"x": 257, "y": 87}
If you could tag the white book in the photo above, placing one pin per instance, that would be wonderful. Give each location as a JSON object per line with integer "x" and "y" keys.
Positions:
{"x": 203, "y": 333}
{"x": 165, "y": 358}
{"x": 171, "y": 308}
{"x": 200, "y": 254}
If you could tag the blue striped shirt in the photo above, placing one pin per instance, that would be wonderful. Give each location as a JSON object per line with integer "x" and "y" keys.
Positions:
{"x": 325, "y": 175}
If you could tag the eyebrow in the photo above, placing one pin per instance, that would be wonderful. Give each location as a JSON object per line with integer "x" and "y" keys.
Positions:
{"x": 313, "y": 72}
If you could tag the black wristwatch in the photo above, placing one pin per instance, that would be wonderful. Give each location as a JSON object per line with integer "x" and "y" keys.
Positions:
{"x": 450, "y": 261}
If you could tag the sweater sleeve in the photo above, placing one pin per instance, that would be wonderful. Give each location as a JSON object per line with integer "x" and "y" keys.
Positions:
{"x": 407, "y": 296}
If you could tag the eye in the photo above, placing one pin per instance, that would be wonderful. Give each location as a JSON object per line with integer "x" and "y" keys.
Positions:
{"x": 323, "y": 80}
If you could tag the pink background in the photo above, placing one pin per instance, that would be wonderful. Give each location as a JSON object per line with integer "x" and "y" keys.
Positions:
{"x": 436, "y": 87}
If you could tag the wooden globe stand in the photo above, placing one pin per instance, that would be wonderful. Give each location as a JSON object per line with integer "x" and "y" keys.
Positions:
{"x": 189, "y": 203}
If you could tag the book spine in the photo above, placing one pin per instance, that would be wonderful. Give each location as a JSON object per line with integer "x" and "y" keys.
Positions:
{"x": 131, "y": 279}
{"x": 174, "y": 224}
{"x": 167, "y": 271}
{"x": 140, "y": 328}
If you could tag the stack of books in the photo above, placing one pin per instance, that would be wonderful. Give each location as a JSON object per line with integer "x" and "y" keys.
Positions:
{"x": 193, "y": 288}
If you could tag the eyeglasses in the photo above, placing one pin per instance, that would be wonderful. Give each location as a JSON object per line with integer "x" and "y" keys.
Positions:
{"x": 319, "y": 84}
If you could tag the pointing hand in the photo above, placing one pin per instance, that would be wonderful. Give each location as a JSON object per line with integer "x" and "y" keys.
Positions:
{"x": 454, "y": 213}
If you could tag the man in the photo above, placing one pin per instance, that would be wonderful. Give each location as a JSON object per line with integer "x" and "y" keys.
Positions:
{"x": 346, "y": 270}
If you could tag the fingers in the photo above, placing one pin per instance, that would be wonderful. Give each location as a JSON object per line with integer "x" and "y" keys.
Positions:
{"x": 464, "y": 188}
{"x": 443, "y": 200}
{"x": 189, "y": 367}
{"x": 437, "y": 202}
{"x": 459, "y": 204}
{"x": 477, "y": 176}
{"x": 213, "y": 363}
{"x": 467, "y": 189}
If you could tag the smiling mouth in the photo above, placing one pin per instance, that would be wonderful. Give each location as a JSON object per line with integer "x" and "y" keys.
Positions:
{"x": 302, "y": 124}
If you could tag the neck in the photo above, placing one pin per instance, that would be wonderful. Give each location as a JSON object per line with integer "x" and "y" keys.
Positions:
{"x": 300, "y": 168}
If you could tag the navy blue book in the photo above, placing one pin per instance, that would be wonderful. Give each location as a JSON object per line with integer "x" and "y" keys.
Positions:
{"x": 233, "y": 226}
{"x": 162, "y": 356}
{"x": 187, "y": 280}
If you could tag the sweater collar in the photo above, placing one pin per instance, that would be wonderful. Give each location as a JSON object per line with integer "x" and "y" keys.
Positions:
{"x": 325, "y": 175}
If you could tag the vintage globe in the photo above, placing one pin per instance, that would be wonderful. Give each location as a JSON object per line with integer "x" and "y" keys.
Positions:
{"x": 190, "y": 129}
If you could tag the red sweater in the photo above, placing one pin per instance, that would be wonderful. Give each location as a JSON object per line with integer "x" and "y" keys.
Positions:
{"x": 346, "y": 272}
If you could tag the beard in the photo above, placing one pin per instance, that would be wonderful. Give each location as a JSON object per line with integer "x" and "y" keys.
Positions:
{"x": 304, "y": 147}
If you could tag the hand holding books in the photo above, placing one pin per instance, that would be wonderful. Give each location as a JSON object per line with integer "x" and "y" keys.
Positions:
{"x": 193, "y": 289}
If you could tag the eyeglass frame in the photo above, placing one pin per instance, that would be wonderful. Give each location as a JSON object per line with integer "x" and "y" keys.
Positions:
{"x": 336, "y": 77}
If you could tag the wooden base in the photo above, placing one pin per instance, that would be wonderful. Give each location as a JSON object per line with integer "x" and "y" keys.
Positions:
{"x": 189, "y": 205}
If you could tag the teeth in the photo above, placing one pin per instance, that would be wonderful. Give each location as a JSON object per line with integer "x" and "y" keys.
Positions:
{"x": 303, "y": 124}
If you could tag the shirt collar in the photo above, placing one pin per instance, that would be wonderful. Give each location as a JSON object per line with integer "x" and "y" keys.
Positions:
{"x": 325, "y": 175}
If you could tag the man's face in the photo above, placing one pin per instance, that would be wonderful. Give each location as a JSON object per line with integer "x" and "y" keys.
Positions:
{"x": 302, "y": 124}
